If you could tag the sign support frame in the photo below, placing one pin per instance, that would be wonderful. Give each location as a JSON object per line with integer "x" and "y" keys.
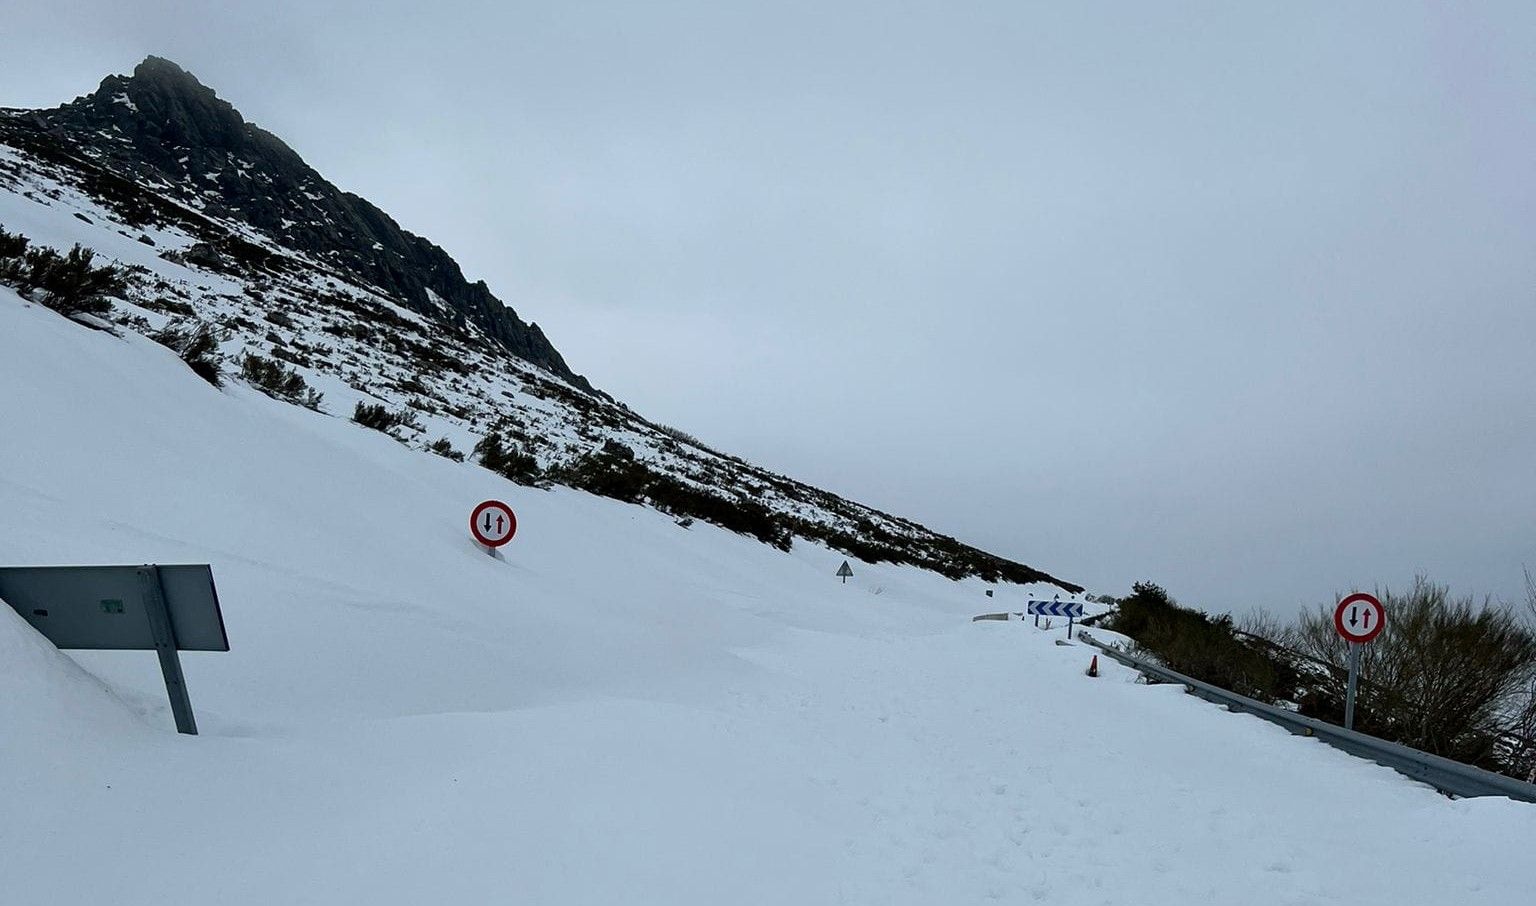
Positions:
{"x": 1357, "y": 640}
{"x": 164, "y": 608}
{"x": 1354, "y": 677}
{"x": 1055, "y": 607}
{"x": 165, "y": 646}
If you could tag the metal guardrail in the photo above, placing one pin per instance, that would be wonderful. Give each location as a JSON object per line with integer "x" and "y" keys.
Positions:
{"x": 1445, "y": 775}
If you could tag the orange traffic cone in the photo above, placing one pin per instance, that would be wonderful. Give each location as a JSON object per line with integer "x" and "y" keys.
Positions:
{"x": 1093, "y": 666}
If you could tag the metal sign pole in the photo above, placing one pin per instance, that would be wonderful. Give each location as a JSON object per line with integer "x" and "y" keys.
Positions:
{"x": 165, "y": 646}
{"x": 1349, "y": 696}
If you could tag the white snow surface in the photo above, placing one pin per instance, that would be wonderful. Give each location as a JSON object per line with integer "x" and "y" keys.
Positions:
{"x": 618, "y": 711}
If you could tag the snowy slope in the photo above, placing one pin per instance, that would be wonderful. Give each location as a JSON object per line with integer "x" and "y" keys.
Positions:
{"x": 356, "y": 342}
{"x": 622, "y": 711}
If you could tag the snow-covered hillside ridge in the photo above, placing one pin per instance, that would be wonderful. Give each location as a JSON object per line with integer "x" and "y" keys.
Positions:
{"x": 619, "y": 711}
{"x": 219, "y": 223}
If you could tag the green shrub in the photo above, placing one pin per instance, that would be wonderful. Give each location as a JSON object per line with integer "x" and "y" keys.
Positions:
{"x": 746, "y": 517}
{"x": 444, "y": 448}
{"x": 285, "y": 384}
{"x": 12, "y": 245}
{"x": 613, "y": 471}
{"x": 197, "y": 345}
{"x": 511, "y": 462}
{"x": 1204, "y": 647}
{"x": 69, "y": 283}
{"x": 381, "y": 418}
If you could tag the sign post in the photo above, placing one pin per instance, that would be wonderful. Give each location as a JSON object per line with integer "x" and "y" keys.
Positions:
{"x": 844, "y": 572}
{"x": 1359, "y": 619}
{"x": 1069, "y": 609}
{"x": 493, "y": 524}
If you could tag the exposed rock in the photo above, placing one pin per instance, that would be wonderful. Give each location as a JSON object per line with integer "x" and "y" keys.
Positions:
{"x": 163, "y": 127}
{"x": 203, "y": 255}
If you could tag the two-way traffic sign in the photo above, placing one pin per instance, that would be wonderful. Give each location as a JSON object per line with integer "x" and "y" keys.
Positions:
{"x": 493, "y": 524}
{"x": 1359, "y": 618}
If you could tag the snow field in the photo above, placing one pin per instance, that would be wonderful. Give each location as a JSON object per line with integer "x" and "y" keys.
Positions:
{"x": 621, "y": 711}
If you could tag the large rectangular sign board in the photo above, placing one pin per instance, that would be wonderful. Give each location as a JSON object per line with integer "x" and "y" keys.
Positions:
{"x": 163, "y": 609}
{"x": 106, "y": 607}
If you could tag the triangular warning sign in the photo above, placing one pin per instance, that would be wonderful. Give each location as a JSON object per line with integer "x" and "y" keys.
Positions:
{"x": 845, "y": 570}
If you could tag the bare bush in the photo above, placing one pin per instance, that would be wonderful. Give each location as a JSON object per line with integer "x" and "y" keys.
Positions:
{"x": 1263, "y": 625}
{"x": 1445, "y": 676}
{"x": 1520, "y": 737}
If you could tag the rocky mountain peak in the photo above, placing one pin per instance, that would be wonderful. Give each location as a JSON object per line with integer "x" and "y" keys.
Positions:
{"x": 168, "y": 74}
{"x": 162, "y": 127}
{"x": 173, "y": 123}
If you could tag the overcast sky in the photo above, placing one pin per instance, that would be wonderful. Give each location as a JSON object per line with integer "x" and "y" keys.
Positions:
{"x": 1238, "y": 297}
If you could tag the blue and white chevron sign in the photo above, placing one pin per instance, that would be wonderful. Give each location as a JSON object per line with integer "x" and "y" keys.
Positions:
{"x": 1056, "y": 608}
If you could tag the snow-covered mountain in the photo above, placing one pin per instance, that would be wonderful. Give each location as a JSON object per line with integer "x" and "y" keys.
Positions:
{"x": 217, "y": 222}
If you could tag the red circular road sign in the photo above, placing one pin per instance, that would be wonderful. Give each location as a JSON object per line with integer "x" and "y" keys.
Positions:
{"x": 1360, "y": 618}
{"x": 492, "y": 523}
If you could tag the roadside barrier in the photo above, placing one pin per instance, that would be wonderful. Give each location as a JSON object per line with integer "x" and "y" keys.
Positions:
{"x": 1445, "y": 775}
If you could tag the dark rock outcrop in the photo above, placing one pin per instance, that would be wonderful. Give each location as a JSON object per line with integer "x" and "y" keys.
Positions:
{"x": 162, "y": 127}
